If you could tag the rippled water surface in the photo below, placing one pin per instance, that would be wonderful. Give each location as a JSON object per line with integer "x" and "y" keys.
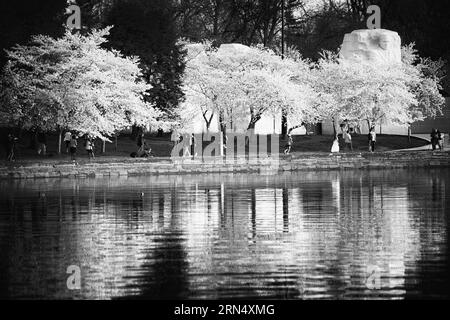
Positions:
{"x": 330, "y": 235}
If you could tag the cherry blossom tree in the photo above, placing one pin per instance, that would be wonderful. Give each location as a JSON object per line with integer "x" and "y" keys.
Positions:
{"x": 73, "y": 83}
{"x": 236, "y": 82}
{"x": 208, "y": 90}
{"x": 428, "y": 76}
{"x": 399, "y": 93}
{"x": 376, "y": 93}
{"x": 302, "y": 104}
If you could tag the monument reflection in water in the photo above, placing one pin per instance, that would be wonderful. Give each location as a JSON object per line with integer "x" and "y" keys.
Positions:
{"x": 292, "y": 236}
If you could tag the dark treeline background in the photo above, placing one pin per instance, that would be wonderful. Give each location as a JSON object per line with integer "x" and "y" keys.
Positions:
{"x": 150, "y": 28}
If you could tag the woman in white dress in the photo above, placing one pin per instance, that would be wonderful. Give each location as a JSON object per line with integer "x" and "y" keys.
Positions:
{"x": 335, "y": 147}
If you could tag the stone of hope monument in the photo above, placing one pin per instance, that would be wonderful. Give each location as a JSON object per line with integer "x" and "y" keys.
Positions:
{"x": 372, "y": 46}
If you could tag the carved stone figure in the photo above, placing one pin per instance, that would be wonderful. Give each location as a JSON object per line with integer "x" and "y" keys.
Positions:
{"x": 372, "y": 46}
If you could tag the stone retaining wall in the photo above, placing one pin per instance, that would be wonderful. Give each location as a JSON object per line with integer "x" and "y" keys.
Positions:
{"x": 300, "y": 162}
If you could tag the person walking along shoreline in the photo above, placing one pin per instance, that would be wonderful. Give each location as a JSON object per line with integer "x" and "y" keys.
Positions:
{"x": 372, "y": 139}
{"x": 73, "y": 147}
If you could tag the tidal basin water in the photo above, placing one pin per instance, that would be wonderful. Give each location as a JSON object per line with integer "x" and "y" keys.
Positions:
{"x": 325, "y": 235}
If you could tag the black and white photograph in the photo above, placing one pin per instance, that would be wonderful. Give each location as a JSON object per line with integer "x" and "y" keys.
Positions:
{"x": 225, "y": 150}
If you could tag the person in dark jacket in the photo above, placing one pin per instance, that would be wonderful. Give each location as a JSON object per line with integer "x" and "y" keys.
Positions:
{"x": 73, "y": 147}
{"x": 11, "y": 145}
{"x": 434, "y": 138}
{"x": 372, "y": 139}
{"x": 440, "y": 140}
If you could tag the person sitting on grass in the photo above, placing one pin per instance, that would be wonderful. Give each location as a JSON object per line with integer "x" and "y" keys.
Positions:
{"x": 143, "y": 149}
{"x": 144, "y": 152}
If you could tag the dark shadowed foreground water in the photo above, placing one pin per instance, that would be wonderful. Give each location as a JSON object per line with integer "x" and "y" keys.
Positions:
{"x": 361, "y": 234}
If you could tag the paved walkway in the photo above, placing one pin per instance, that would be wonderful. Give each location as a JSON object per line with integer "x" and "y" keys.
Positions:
{"x": 423, "y": 137}
{"x": 428, "y": 147}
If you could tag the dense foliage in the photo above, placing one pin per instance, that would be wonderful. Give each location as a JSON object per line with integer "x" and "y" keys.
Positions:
{"x": 73, "y": 83}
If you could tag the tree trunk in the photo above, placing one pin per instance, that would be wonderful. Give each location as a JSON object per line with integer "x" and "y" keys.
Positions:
{"x": 223, "y": 129}
{"x": 284, "y": 125}
{"x": 283, "y": 114}
{"x": 33, "y": 140}
{"x": 254, "y": 119}
{"x": 103, "y": 146}
{"x": 136, "y": 131}
{"x": 59, "y": 141}
{"x": 208, "y": 121}
{"x": 115, "y": 143}
{"x": 369, "y": 125}
{"x": 335, "y": 129}
{"x": 216, "y": 20}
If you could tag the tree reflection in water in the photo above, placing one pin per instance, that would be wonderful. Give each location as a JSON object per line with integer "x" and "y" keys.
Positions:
{"x": 302, "y": 235}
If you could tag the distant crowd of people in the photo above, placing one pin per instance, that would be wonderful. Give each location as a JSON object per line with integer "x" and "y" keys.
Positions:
{"x": 348, "y": 141}
{"x": 437, "y": 141}
{"x": 144, "y": 150}
{"x": 71, "y": 144}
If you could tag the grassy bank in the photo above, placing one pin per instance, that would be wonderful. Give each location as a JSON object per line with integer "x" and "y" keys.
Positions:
{"x": 162, "y": 146}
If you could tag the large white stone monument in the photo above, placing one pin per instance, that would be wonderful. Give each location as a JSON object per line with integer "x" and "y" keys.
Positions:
{"x": 372, "y": 46}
